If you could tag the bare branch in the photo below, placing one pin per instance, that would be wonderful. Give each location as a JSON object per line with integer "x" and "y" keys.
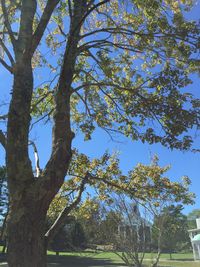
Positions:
{"x": 9, "y": 68}
{"x": 84, "y": 102}
{"x": 92, "y": 9}
{"x": 7, "y": 23}
{"x": 62, "y": 32}
{"x": 6, "y": 51}
{"x": 46, "y": 115}
{"x": 37, "y": 161}
{"x": 105, "y": 43}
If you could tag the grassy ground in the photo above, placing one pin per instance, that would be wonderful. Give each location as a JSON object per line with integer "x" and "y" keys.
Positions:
{"x": 108, "y": 259}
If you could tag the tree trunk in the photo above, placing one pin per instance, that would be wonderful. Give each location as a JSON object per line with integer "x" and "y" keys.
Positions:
{"x": 30, "y": 196}
{"x": 26, "y": 239}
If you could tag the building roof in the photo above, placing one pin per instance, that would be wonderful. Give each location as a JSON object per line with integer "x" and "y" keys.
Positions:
{"x": 196, "y": 238}
{"x": 194, "y": 230}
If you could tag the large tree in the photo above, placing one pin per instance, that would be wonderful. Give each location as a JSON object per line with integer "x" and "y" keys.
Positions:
{"x": 118, "y": 65}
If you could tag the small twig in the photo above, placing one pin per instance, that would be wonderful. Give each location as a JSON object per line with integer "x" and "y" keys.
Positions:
{"x": 62, "y": 32}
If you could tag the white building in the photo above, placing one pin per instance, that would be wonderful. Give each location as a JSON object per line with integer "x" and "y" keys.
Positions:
{"x": 195, "y": 240}
{"x": 133, "y": 226}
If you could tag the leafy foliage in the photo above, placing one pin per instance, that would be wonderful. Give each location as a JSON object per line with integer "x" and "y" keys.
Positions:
{"x": 69, "y": 238}
{"x": 117, "y": 65}
{"x": 192, "y": 216}
{"x": 131, "y": 66}
{"x": 175, "y": 235}
{"x": 145, "y": 184}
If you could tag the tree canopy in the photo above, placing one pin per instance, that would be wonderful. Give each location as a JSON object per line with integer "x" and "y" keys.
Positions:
{"x": 146, "y": 184}
{"x": 175, "y": 235}
{"x": 132, "y": 59}
{"x": 119, "y": 65}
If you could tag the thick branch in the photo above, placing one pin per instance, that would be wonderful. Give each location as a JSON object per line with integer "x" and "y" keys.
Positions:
{"x": 9, "y": 68}
{"x": 111, "y": 184}
{"x": 37, "y": 160}
{"x": 6, "y": 51}
{"x": 7, "y": 23}
{"x": 49, "y": 8}
{"x": 92, "y": 9}
{"x": 62, "y": 135}
{"x": 24, "y": 42}
{"x": 64, "y": 215}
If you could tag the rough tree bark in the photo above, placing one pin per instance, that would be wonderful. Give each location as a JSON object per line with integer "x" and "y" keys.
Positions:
{"x": 26, "y": 218}
{"x": 31, "y": 196}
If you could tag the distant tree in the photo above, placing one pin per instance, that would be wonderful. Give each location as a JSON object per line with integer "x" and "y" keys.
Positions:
{"x": 174, "y": 229}
{"x": 78, "y": 238}
{"x": 90, "y": 216}
{"x": 191, "y": 217}
{"x": 60, "y": 242}
{"x": 69, "y": 238}
{"x": 109, "y": 226}
{"x": 84, "y": 224}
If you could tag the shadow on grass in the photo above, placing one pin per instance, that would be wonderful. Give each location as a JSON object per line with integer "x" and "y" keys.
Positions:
{"x": 77, "y": 261}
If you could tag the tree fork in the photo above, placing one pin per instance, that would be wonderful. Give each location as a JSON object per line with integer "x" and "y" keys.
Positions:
{"x": 30, "y": 196}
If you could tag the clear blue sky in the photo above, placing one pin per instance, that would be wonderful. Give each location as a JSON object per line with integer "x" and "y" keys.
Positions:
{"x": 182, "y": 163}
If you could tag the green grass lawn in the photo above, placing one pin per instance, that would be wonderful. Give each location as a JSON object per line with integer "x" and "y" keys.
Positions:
{"x": 109, "y": 259}
{"x": 178, "y": 256}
